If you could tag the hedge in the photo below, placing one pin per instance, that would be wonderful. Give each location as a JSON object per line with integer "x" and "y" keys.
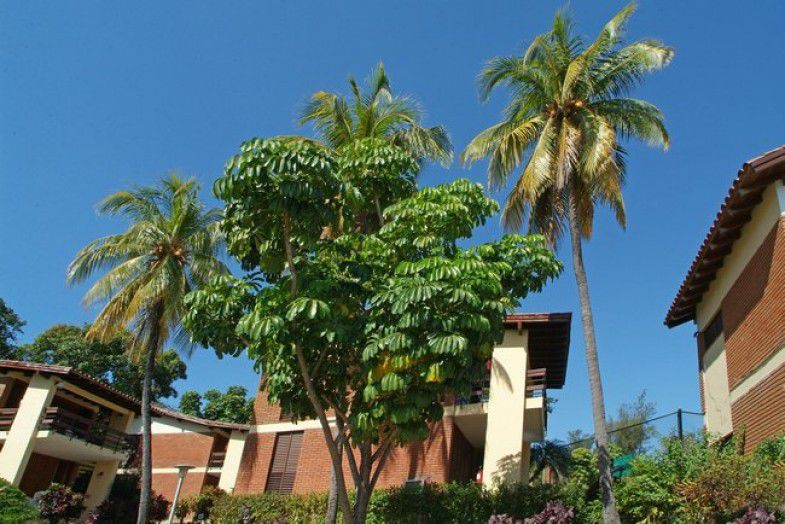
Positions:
{"x": 464, "y": 503}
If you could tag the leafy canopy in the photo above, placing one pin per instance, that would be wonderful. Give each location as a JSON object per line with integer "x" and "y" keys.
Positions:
{"x": 567, "y": 113}
{"x": 233, "y": 405}
{"x": 399, "y": 312}
{"x": 10, "y": 326}
{"x": 110, "y": 361}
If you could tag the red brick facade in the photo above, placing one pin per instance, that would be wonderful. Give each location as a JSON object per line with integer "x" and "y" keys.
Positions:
{"x": 761, "y": 412}
{"x": 753, "y": 311}
{"x": 172, "y": 449}
{"x": 446, "y": 455}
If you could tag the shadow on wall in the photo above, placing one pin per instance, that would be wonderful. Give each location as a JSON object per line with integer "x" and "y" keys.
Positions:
{"x": 508, "y": 469}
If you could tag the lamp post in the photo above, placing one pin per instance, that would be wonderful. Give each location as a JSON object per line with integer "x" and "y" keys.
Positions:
{"x": 182, "y": 471}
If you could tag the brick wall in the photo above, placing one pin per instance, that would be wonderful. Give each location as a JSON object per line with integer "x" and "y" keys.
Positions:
{"x": 446, "y": 455}
{"x": 753, "y": 311}
{"x": 165, "y": 484}
{"x": 40, "y": 472}
{"x": 761, "y": 411}
{"x": 171, "y": 449}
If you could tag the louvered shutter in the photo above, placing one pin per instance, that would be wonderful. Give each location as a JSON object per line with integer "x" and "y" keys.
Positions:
{"x": 283, "y": 467}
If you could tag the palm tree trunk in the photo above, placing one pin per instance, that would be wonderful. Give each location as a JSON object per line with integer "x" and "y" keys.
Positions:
{"x": 609, "y": 512}
{"x": 146, "y": 480}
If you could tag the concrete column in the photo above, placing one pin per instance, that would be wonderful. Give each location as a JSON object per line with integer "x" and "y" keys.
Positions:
{"x": 234, "y": 455}
{"x": 105, "y": 471}
{"x": 505, "y": 460}
{"x": 21, "y": 437}
{"x": 100, "y": 483}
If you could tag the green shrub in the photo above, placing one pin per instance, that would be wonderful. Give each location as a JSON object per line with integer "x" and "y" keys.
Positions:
{"x": 15, "y": 507}
{"x": 452, "y": 503}
{"x": 59, "y": 503}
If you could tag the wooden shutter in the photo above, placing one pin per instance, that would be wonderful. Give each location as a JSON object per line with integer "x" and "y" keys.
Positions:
{"x": 283, "y": 466}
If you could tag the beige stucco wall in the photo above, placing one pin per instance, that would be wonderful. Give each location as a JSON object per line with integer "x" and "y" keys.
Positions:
{"x": 19, "y": 442}
{"x": 506, "y": 452}
{"x": 232, "y": 461}
{"x": 715, "y": 389}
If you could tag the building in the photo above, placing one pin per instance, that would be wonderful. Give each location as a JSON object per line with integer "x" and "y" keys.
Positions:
{"x": 493, "y": 428}
{"x": 60, "y": 425}
{"x": 734, "y": 292}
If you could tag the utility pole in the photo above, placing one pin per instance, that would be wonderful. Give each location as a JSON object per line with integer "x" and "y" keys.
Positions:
{"x": 680, "y": 425}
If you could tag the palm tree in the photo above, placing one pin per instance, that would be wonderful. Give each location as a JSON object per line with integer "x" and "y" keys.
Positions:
{"x": 551, "y": 454}
{"x": 172, "y": 246}
{"x": 376, "y": 113}
{"x": 563, "y": 124}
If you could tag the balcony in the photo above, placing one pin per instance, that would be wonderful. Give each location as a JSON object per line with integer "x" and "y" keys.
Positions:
{"x": 216, "y": 460}
{"x": 63, "y": 423}
{"x": 471, "y": 413}
{"x": 536, "y": 384}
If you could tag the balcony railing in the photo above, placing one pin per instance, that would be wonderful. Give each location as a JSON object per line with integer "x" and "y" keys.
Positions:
{"x": 216, "y": 459}
{"x": 536, "y": 384}
{"x": 72, "y": 425}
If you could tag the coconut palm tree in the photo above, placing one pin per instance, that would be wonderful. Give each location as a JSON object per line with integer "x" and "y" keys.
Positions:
{"x": 562, "y": 128}
{"x": 376, "y": 113}
{"x": 172, "y": 245}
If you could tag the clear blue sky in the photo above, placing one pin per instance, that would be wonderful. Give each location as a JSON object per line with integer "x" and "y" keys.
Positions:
{"x": 95, "y": 97}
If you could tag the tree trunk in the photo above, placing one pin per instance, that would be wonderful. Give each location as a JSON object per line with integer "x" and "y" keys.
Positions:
{"x": 332, "y": 500}
{"x": 147, "y": 459}
{"x": 609, "y": 513}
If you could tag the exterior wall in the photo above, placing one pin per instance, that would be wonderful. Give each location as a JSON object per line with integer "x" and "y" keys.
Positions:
{"x": 172, "y": 449}
{"x": 504, "y": 460}
{"x": 446, "y": 455}
{"x": 753, "y": 311}
{"x": 714, "y": 389}
{"x": 39, "y": 474}
{"x": 761, "y": 411}
{"x": 739, "y": 372}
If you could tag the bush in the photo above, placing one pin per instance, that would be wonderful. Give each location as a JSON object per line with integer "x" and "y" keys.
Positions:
{"x": 122, "y": 504}
{"x": 554, "y": 513}
{"x": 200, "y": 505}
{"x": 15, "y": 507}
{"x": 464, "y": 503}
{"x": 58, "y": 503}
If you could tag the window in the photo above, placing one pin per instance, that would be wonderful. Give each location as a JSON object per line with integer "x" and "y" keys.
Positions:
{"x": 283, "y": 466}
{"x": 712, "y": 331}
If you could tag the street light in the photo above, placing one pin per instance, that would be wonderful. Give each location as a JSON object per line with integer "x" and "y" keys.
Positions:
{"x": 182, "y": 471}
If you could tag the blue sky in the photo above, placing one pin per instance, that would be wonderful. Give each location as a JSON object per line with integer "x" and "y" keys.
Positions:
{"x": 95, "y": 97}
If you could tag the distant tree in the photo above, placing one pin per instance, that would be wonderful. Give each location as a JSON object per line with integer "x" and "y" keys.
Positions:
{"x": 191, "y": 403}
{"x": 578, "y": 439}
{"x": 231, "y": 406}
{"x": 632, "y": 439}
{"x": 10, "y": 326}
{"x": 67, "y": 345}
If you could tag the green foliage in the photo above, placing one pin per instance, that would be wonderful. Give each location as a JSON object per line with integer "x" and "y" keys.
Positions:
{"x": 199, "y": 506}
{"x": 58, "y": 503}
{"x": 15, "y": 507}
{"x": 562, "y": 127}
{"x": 110, "y": 361}
{"x": 122, "y": 504}
{"x": 231, "y": 406}
{"x": 10, "y": 326}
{"x": 376, "y": 113}
{"x": 391, "y": 308}
{"x": 451, "y": 503}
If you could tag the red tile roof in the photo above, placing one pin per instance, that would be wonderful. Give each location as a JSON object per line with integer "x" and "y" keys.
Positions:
{"x": 745, "y": 193}
{"x": 112, "y": 394}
